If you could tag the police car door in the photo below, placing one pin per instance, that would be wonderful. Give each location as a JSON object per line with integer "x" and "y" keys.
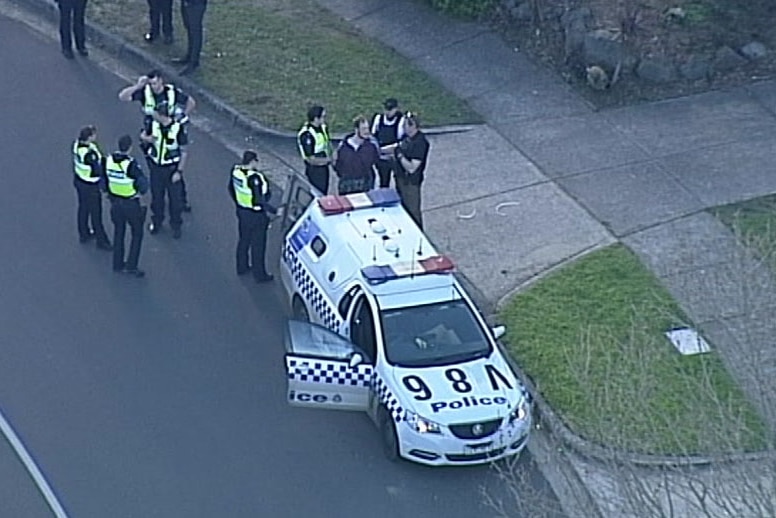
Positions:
{"x": 324, "y": 369}
{"x": 297, "y": 197}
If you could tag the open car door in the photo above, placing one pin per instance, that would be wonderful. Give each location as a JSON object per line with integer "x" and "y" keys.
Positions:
{"x": 325, "y": 370}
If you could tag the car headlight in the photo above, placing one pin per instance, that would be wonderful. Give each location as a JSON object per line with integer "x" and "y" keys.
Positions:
{"x": 520, "y": 412}
{"x": 421, "y": 424}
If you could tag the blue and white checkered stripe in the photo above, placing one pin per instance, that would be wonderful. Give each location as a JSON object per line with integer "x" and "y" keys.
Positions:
{"x": 331, "y": 372}
{"x": 310, "y": 291}
{"x": 386, "y": 397}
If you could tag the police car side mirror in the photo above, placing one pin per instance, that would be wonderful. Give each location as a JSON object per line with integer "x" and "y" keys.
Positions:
{"x": 356, "y": 360}
{"x": 498, "y": 331}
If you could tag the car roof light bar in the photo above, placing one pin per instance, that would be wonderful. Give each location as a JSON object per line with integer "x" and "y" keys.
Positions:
{"x": 338, "y": 204}
{"x": 375, "y": 274}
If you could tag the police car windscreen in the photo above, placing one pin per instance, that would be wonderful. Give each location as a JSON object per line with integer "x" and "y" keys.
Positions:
{"x": 434, "y": 334}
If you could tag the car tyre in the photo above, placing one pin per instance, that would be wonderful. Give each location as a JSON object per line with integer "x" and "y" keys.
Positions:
{"x": 388, "y": 435}
{"x": 299, "y": 310}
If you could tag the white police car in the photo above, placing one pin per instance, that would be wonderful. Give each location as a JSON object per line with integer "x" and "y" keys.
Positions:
{"x": 382, "y": 325}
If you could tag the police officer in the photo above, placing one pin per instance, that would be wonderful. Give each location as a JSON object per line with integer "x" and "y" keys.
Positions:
{"x": 167, "y": 140}
{"x": 316, "y": 149}
{"x": 154, "y": 94}
{"x": 159, "y": 16}
{"x": 88, "y": 169}
{"x": 411, "y": 156}
{"x": 388, "y": 128}
{"x": 125, "y": 182}
{"x": 72, "y": 23}
{"x": 250, "y": 191}
{"x": 192, "y": 13}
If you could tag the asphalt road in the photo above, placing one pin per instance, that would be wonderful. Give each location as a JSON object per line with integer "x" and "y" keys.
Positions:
{"x": 160, "y": 397}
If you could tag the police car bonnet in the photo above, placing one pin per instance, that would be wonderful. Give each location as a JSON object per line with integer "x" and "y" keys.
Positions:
{"x": 476, "y": 390}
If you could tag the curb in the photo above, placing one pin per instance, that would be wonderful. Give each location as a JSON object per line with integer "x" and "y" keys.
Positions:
{"x": 132, "y": 54}
{"x": 551, "y": 421}
{"x": 138, "y": 57}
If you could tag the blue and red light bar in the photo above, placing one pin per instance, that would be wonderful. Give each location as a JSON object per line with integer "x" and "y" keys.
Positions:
{"x": 376, "y": 274}
{"x": 338, "y": 204}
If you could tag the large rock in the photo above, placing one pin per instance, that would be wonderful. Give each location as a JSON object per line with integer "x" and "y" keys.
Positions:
{"x": 657, "y": 70}
{"x": 754, "y": 50}
{"x": 603, "y": 47}
{"x": 696, "y": 68}
{"x": 727, "y": 59}
{"x": 523, "y": 12}
{"x": 575, "y": 23}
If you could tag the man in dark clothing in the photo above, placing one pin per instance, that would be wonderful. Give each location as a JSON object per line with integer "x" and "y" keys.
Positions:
{"x": 167, "y": 158}
{"x": 125, "y": 183}
{"x": 159, "y": 16}
{"x": 88, "y": 172}
{"x": 357, "y": 157}
{"x": 250, "y": 192}
{"x": 72, "y": 15}
{"x": 411, "y": 156}
{"x": 388, "y": 129}
{"x": 192, "y": 14}
{"x": 316, "y": 150}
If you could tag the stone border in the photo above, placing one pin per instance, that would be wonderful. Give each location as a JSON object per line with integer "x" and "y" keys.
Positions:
{"x": 139, "y": 58}
{"x": 553, "y": 422}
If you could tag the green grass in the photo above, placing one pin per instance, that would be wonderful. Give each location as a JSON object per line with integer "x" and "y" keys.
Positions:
{"x": 274, "y": 58}
{"x": 754, "y": 223}
{"x": 591, "y": 337}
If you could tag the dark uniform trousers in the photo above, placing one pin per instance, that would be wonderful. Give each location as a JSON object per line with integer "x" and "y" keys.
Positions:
{"x": 192, "y": 14}
{"x": 90, "y": 211}
{"x": 160, "y": 15}
{"x": 409, "y": 192}
{"x": 71, "y": 20}
{"x": 252, "y": 229}
{"x": 163, "y": 188}
{"x": 123, "y": 212}
{"x": 384, "y": 170}
{"x": 318, "y": 175}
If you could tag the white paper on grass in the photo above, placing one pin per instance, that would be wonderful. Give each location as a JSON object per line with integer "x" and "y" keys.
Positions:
{"x": 687, "y": 341}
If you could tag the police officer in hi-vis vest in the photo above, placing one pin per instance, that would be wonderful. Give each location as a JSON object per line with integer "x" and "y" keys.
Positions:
{"x": 154, "y": 95}
{"x": 250, "y": 191}
{"x": 167, "y": 139}
{"x": 125, "y": 182}
{"x": 316, "y": 149}
{"x": 88, "y": 167}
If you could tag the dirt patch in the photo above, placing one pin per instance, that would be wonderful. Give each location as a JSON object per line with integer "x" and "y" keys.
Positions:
{"x": 673, "y": 31}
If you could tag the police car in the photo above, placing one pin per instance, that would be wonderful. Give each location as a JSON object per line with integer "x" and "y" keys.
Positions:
{"x": 381, "y": 325}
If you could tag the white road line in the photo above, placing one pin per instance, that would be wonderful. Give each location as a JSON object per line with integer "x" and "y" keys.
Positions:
{"x": 32, "y": 468}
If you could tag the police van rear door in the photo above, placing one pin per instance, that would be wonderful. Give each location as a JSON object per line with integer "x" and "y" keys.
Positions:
{"x": 324, "y": 370}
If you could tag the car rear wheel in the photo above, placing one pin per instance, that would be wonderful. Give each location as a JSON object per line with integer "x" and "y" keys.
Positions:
{"x": 388, "y": 435}
{"x": 299, "y": 310}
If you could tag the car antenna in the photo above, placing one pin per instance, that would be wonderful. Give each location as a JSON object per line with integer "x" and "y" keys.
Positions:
{"x": 420, "y": 246}
{"x": 374, "y": 253}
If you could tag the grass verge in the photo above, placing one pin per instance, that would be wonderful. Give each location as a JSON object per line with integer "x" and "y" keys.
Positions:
{"x": 274, "y": 58}
{"x": 754, "y": 222}
{"x": 591, "y": 337}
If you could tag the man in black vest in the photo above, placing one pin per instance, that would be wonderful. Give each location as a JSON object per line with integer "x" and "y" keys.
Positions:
{"x": 388, "y": 128}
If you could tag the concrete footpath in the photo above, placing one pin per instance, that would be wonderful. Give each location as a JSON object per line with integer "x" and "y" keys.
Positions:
{"x": 548, "y": 179}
